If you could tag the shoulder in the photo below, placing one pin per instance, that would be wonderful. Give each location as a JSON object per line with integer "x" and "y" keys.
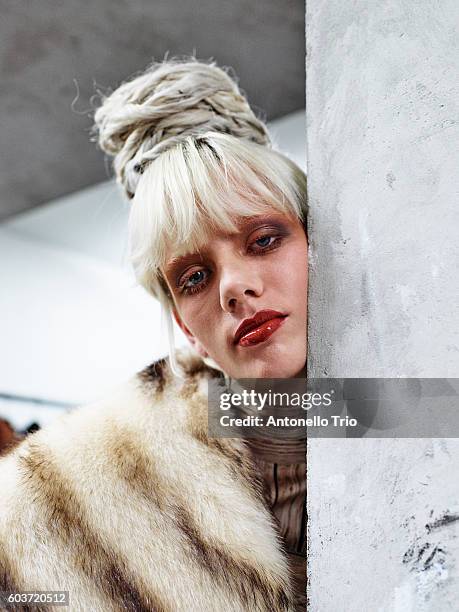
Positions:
{"x": 151, "y": 417}
{"x": 152, "y": 429}
{"x": 139, "y": 402}
{"x": 152, "y": 405}
{"x": 159, "y": 376}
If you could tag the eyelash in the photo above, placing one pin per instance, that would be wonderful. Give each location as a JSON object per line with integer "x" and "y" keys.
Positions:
{"x": 277, "y": 239}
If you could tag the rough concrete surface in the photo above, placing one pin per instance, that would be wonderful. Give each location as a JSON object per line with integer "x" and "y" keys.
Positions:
{"x": 383, "y": 525}
{"x": 382, "y": 112}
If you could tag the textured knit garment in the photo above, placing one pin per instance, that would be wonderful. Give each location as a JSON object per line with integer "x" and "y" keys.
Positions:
{"x": 282, "y": 465}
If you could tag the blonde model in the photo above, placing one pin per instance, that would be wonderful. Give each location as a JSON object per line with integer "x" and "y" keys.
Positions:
{"x": 128, "y": 504}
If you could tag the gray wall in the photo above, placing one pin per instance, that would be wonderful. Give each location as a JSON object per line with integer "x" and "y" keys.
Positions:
{"x": 382, "y": 109}
{"x": 47, "y": 46}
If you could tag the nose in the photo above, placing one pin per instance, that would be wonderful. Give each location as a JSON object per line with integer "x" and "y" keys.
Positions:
{"x": 239, "y": 284}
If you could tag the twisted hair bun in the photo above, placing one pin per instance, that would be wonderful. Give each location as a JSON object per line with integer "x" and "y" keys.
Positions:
{"x": 169, "y": 102}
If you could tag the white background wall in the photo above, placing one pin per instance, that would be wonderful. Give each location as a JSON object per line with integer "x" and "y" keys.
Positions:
{"x": 382, "y": 112}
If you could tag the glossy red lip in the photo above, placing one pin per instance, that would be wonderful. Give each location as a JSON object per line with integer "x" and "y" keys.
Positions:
{"x": 258, "y": 328}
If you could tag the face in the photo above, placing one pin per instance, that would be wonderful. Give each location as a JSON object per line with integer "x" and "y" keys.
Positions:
{"x": 242, "y": 300}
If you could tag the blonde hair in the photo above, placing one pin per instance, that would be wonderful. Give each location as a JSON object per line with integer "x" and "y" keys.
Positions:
{"x": 192, "y": 156}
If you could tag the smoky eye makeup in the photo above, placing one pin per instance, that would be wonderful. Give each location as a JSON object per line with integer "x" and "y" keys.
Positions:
{"x": 188, "y": 273}
{"x": 177, "y": 267}
{"x": 268, "y": 221}
{"x": 270, "y": 228}
{"x": 192, "y": 277}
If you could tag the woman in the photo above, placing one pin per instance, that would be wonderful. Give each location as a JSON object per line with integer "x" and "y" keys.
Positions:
{"x": 129, "y": 504}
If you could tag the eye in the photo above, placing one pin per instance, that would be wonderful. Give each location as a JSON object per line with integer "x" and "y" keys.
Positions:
{"x": 265, "y": 243}
{"x": 194, "y": 282}
{"x": 195, "y": 278}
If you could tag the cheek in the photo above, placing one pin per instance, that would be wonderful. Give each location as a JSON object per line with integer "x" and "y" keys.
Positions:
{"x": 302, "y": 287}
{"x": 295, "y": 279}
{"x": 199, "y": 317}
{"x": 293, "y": 271}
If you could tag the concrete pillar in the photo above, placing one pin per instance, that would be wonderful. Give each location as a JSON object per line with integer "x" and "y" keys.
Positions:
{"x": 382, "y": 108}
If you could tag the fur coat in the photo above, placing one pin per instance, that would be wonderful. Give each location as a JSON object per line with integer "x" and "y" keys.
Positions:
{"x": 128, "y": 505}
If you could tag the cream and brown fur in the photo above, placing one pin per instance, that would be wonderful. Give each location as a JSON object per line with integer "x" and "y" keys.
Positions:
{"x": 128, "y": 505}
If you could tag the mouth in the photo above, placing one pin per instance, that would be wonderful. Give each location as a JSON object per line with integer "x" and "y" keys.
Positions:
{"x": 259, "y": 328}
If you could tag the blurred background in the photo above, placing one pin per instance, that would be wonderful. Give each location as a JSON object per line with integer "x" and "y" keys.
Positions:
{"x": 73, "y": 322}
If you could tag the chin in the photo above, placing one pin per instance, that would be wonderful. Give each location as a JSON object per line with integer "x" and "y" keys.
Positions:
{"x": 286, "y": 361}
{"x": 286, "y": 366}
{"x": 282, "y": 361}
{"x": 274, "y": 371}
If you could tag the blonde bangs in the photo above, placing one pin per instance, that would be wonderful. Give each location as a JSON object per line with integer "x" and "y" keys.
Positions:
{"x": 201, "y": 186}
